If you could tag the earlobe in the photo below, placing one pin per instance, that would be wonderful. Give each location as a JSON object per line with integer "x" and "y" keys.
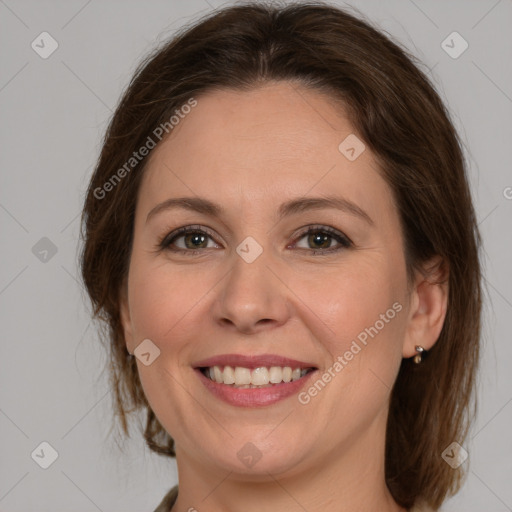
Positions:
{"x": 428, "y": 306}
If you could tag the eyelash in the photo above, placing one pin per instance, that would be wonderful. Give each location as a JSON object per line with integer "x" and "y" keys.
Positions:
{"x": 169, "y": 239}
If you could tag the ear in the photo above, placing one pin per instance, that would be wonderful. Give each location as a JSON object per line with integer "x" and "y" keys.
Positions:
{"x": 126, "y": 321}
{"x": 428, "y": 305}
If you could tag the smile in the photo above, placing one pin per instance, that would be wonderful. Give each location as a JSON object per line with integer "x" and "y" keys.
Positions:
{"x": 251, "y": 381}
{"x": 245, "y": 378}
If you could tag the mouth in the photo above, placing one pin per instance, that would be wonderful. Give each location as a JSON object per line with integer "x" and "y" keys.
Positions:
{"x": 260, "y": 377}
{"x": 251, "y": 381}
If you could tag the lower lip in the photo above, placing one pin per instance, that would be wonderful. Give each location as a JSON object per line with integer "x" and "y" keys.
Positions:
{"x": 254, "y": 397}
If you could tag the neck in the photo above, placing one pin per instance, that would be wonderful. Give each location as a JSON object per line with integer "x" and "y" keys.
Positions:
{"x": 348, "y": 478}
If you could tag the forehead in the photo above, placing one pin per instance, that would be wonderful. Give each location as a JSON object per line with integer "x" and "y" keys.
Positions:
{"x": 272, "y": 143}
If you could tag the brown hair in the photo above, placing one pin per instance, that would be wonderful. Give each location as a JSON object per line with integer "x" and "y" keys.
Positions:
{"x": 394, "y": 108}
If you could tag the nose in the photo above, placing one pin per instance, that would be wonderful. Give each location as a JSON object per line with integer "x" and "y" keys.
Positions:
{"x": 251, "y": 298}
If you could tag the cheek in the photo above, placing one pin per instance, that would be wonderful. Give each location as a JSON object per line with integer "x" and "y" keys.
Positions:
{"x": 162, "y": 307}
{"x": 363, "y": 307}
{"x": 163, "y": 300}
{"x": 366, "y": 316}
{"x": 349, "y": 299}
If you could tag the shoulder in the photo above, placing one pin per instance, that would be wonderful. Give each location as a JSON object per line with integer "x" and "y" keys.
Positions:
{"x": 168, "y": 501}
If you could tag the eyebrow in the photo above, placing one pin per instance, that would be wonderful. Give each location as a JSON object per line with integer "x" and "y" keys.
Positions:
{"x": 294, "y": 206}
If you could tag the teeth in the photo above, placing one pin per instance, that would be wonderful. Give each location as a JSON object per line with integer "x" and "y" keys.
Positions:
{"x": 259, "y": 376}
{"x": 275, "y": 374}
{"x": 242, "y": 376}
{"x": 218, "y": 375}
{"x": 245, "y": 378}
{"x": 229, "y": 375}
{"x": 296, "y": 374}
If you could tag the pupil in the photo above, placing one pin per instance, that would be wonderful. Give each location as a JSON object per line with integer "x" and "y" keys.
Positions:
{"x": 322, "y": 240}
{"x": 195, "y": 237}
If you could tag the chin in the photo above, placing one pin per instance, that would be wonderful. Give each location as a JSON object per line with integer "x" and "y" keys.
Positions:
{"x": 255, "y": 460}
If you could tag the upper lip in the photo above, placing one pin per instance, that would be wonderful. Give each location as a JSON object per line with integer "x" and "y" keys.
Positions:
{"x": 254, "y": 361}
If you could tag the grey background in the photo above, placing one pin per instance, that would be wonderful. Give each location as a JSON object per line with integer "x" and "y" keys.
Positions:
{"x": 54, "y": 112}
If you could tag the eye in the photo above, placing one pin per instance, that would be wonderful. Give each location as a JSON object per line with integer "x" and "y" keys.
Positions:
{"x": 193, "y": 240}
{"x": 320, "y": 240}
{"x": 189, "y": 239}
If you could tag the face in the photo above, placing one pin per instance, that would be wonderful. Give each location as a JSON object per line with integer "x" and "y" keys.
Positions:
{"x": 293, "y": 260}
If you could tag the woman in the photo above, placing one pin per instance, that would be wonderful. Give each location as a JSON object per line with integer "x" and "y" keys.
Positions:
{"x": 280, "y": 236}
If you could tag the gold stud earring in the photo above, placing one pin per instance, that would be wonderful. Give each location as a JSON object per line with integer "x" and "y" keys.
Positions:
{"x": 417, "y": 357}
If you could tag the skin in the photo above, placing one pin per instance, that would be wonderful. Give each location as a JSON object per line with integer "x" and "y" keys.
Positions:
{"x": 249, "y": 152}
